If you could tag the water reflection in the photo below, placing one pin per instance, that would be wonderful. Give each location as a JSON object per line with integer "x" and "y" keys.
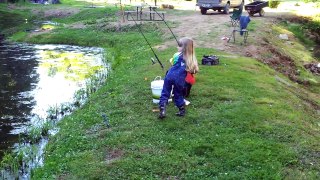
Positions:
{"x": 35, "y": 78}
{"x": 17, "y": 76}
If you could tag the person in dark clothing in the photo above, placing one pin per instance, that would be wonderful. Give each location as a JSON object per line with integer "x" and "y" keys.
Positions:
{"x": 183, "y": 61}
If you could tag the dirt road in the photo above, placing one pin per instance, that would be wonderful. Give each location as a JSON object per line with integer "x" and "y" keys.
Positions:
{"x": 213, "y": 29}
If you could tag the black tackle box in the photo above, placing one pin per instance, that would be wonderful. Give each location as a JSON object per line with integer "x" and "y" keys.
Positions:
{"x": 210, "y": 60}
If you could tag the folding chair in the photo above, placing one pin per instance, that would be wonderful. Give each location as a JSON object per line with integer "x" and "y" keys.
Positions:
{"x": 235, "y": 17}
{"x": 243, "y": 32}
{"x": 243, "y": 23}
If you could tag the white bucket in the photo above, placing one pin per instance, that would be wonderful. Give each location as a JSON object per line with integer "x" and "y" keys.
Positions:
{"x": 156, "y": 87}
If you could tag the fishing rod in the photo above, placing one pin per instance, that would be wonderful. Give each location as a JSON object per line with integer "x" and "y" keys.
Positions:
{"x": 155, "y": 55}
{"x": 162, "y": 18}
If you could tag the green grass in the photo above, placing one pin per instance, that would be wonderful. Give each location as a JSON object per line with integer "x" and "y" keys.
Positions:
{"x": 242, "y": 123}
{"x": 298, "y": 31}
{"x": 89, "y": 15}
{"x": 14, "y": 20}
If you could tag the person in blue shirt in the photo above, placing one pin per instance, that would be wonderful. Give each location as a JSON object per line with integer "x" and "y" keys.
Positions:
{"x": 182, "y": 62}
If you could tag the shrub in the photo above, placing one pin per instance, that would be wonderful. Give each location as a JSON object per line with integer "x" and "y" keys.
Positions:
{"x": 306, "y": 1}
{"x": 273, "y": 4}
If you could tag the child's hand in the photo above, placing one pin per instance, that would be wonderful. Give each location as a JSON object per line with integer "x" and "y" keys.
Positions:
{"x": 171, "y": 61}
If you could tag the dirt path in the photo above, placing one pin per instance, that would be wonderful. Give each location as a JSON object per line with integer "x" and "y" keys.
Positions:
{"x": 209, "y": 31}
{"x": 206, "y": 30}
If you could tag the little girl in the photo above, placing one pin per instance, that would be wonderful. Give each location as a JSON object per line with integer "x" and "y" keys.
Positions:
{"x": 183, "y": 61}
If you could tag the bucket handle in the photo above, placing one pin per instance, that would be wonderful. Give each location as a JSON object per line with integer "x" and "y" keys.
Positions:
{"x": 157, "y": 78}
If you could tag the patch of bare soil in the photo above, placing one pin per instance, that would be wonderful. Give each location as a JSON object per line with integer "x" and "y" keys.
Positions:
{"x": 212, "y": 31}
{"x": 206, "y": 30}
{"x": 282, "y": 64}
{"x": 113, "y": 154}
{"x": 313, "y": 67}
{"x": 57, "y": 12}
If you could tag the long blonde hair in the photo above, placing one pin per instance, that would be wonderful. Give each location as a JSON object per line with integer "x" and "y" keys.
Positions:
{"x": 189, "y": 55}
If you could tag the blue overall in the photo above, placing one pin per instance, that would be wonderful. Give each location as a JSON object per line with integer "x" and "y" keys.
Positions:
{"x": 175, "y": 78}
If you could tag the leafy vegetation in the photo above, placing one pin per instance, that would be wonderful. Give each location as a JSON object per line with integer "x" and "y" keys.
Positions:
{"x": 274, "y": 4}
{"x": 299, "y": 33}
{"x": 311, "y": 1}
{"x": 314, "y": 23}
{"x": 14, "y": 21}
{"x": 89, "y": 15}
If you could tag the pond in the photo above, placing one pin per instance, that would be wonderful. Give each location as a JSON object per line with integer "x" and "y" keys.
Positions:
{"x": 41, "y": 83}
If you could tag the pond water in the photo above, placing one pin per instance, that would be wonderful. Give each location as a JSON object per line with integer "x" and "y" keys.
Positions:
{"x": 37, "y": 79}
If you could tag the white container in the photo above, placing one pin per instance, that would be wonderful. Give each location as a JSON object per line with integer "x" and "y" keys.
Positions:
{"x": 156, "y": 87}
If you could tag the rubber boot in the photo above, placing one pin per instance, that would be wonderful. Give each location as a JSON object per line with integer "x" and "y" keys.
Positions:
{"x": 182, "y": 111}
{"x": 162, "y": 112}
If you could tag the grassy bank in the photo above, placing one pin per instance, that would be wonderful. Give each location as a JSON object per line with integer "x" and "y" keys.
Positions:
{"x": 242, "y": 123}
{"x": 245, "y": 120}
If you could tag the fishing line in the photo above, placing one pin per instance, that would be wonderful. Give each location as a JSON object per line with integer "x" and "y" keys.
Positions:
{"x": 147, "y": 42}
{"x": 162, "y": 18}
